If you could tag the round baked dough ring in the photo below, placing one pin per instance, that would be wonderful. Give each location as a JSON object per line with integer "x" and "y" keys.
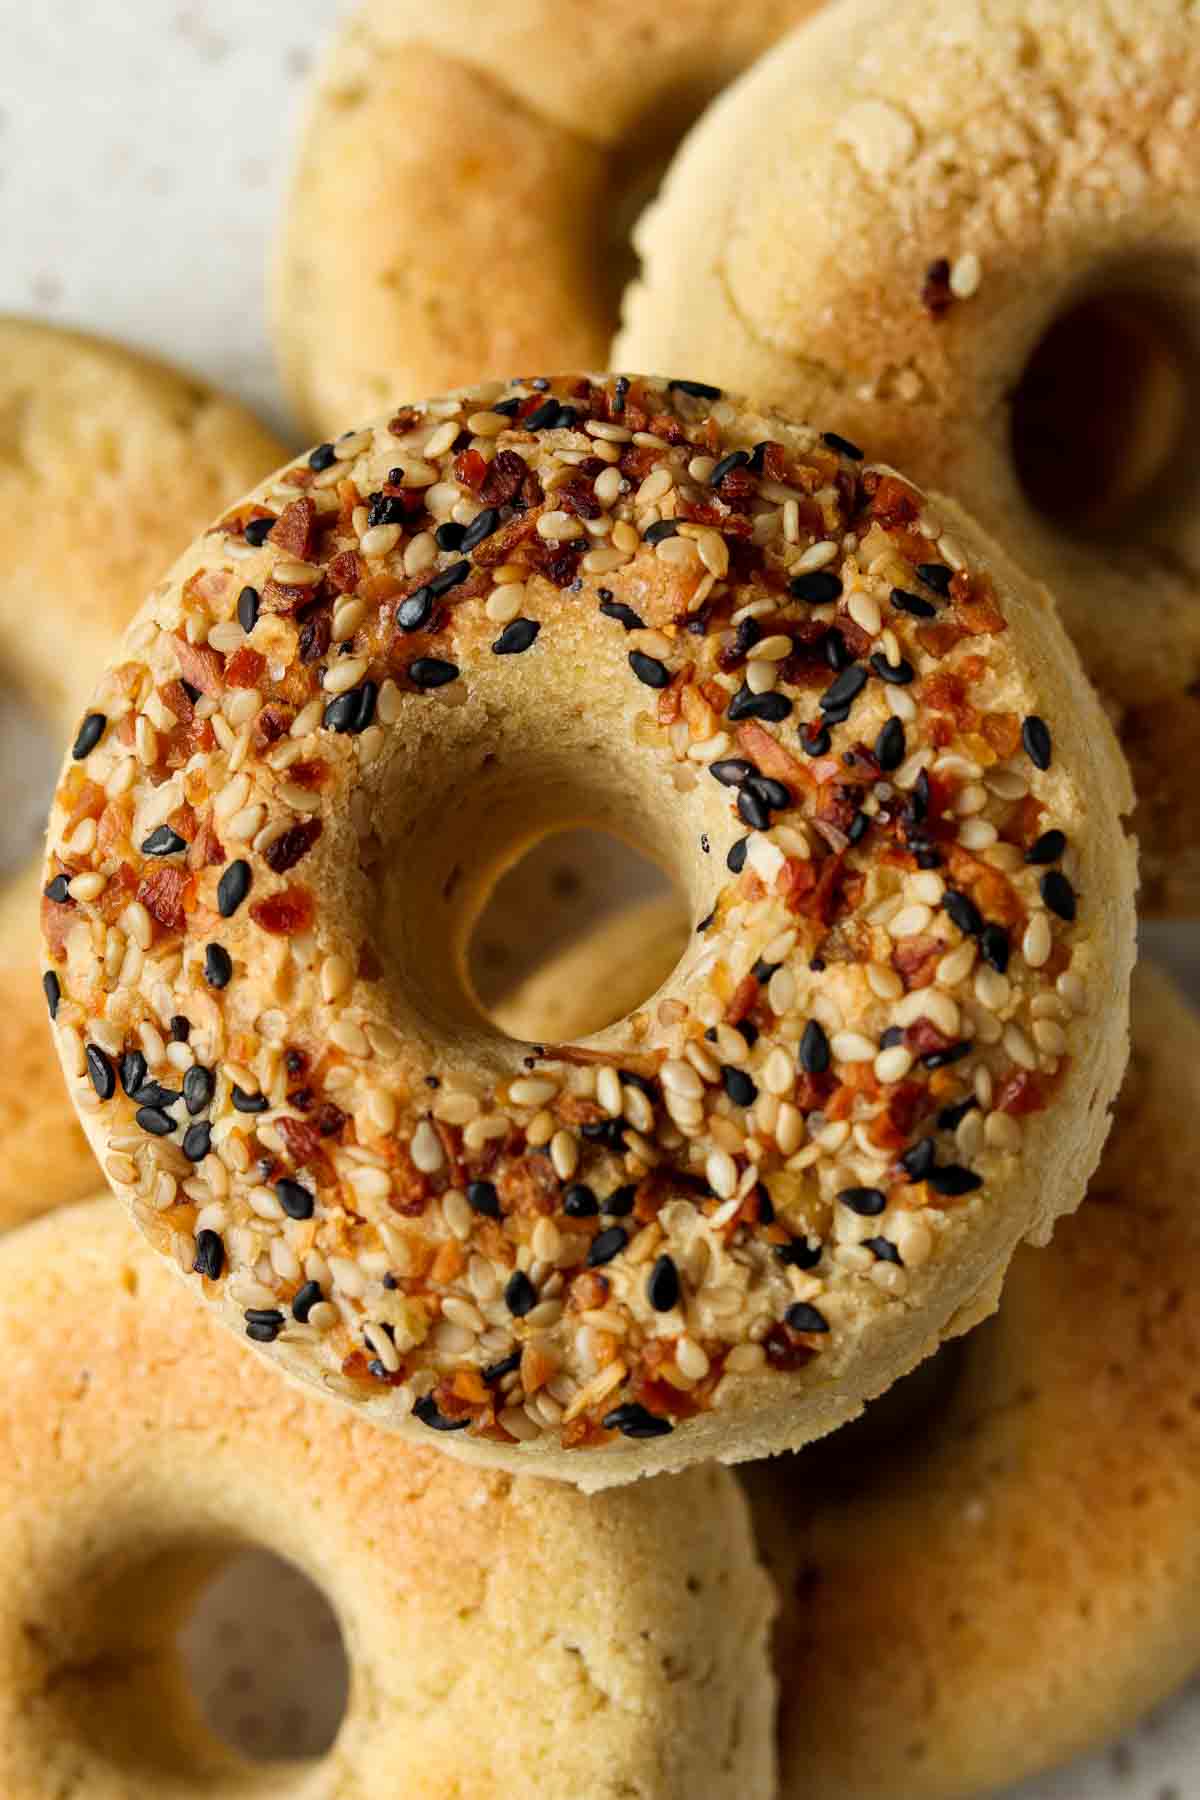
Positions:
{"x": 109, "y": 461}
{"x": 879, "y": 224}
{"x": 143, "y": 1447}
{"x": 300, "y": 849}
{"x": 512, "y": 145}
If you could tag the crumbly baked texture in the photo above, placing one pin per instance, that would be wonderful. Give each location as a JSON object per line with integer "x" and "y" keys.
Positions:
{"x": 880, "y": 222}
{"x": 861, "y": 743}
{"x": 511, "y": 145}
{"x": 1006, "y": 1573}
{"x": 142, "y": 1446}
{"x": 611, "y": 973}
{"x": 109, "y": 463}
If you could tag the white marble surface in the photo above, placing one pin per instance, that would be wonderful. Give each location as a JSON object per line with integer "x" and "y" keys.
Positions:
{"x": 142, "y": 153}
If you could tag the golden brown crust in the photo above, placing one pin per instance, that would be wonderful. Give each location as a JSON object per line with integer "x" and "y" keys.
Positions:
{"x": 611, "y": 972}
{"x": 1040, "y": 160}
{"x": 505, "y": 1637}
{"x": 897, "y": 819}
{"x": 108, "y": 463}
{"x": 1015, "y": 1576}
{"x": 465, "y": 180}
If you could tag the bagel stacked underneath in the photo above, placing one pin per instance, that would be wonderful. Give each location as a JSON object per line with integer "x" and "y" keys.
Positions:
{"x": 865, "y": 745}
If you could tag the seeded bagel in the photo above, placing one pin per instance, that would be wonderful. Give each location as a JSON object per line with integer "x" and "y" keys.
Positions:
{"x": 861, "y": 743}
{"x": 109, "y": 463}
{"x": 143, "y": 1450}
{"x": 1002, "y": 198}
{"x": 465, "y": 183}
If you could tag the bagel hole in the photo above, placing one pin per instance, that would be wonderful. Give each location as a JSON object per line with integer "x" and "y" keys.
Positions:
{"x": 30, "y": 754}
{"x": 265, "y": 1661}
{"x": 565, "y": 887}
{"x": 1104, "y": 407}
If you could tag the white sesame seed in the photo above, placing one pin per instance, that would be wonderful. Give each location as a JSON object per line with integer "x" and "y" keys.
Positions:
{"x": 864, "y": 610}
{"x": 558, "y": 527}
{"x": 852, "y": 1046}
{"x": 532, "y": 1090}
{"x": 680, "y": 1078}
{"x": 564, "y": 1154}
{"x": 965, "y": 274}
{"x": 88, "y": 886}
{"x": 345, "y": 673}
{"x": 1049, "y": 1037}
{"x": 894, "y": 1063}
{"x": 720, "y": 1171}
{"x": 910, "y": 921}
{"x": 817, "y": 556}
{"x": 1037, "y": 943}
{"x": 1018, "y": 1047}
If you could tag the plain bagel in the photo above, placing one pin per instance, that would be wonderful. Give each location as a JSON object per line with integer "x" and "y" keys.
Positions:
{"x": 861, "y": 742}
{"x": 143, "y": 1447}
{"x": 465, "y": 183}
{"x": 970, "y": 233}
{"x": 109, "y": 463}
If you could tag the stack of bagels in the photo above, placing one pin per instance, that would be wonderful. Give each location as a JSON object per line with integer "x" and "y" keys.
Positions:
{"x": 739, "y": 1333}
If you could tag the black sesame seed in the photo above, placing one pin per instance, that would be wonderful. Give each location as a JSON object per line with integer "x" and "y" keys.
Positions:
{"x": 255, "y": 531}
{"x": 263, "y": 1324}
{"x": 323, "y": 457}
{"x": 746, "y": 636}
{"x": 449, "y": 578}
{"x": 753, "y": 809}
{"x": 57, "y": 890}
{"x": 508, "y": 409}
{"x": 218, "y": 966}
{"x": 483, "y": 1198}
{"x": 937, "y": 576}
{"x": 802, "y": 1317}
{"x": 432, "y": 672}
{"x": 649, "y": 670}
{"x": 210, "y": 1255}
{"x": 414, "y": 610}
{"x": 660, "y": 530}
{"x": 542, "y": 416}
{"x": 662, "y": 1285}
{"x": 705, "y": 922}
{"x": 814, "y": 740}
{"x": 963, "y": 912}
{"x": 890, "y": 746}
{"x": 426, "y": 1409}
{"x": 893, "y": 1035}
{"x": 248, "y": 1103}
{"x": 857, "y": 828}
{"x": 699, "y": 390}
{"x": 844, "y": 689}
{"x": 820, "y": 587}
{"x": 918, "y": 1159}
{"x": 579, "y": 1202}
{"x": 100, "y": 1070}
{"x": 953, "y": 1180}
{"x": 633, "y": 1421}
{"x": 994, "y": 948}
{"x": 735, "y": 856}
{"x": 903, "y": 601}
{"x": 731, "y": 771}
{"x": 609, "y": 1132}
{"x": 248, "y": 603}
{"x": 198, "y": 1086}
{"x": 197, "y": 1141}
{"x": 737, "y": 459}
{"x": 620, "y": 391}
{"x": 516, "y": 637}
{"x": 898, "y": 674}
{"x": 883, "y": 1248}
{"x": 450, "y": 535}
{"x": 295, "y": 1199}
{"x": 620, "y": 1203}
{"x": 181, "y": 1028}
{"x": 153, "y": 1120}
{"x": 1035, "y": 735}
{"x": 608, "y": 1244}
{"x": 153, "y": 1093}
{"x": 942, "y": 1059}
{"x": 52, "y": 988}
{"x": 1058, "y": 894}
{"x": 233, "y": 887}
{"x": 814, "y": 1049}
{"x": 865, "y": 1201}
{"x": 520, "y": 1295}
{"x": 163, "y": 842}
{"x": 738, "y": 1085}
{"x": 1047, "y": 848}
{"x": 88, "y": 735}
{"x": 481, "y": 526}
{"x": 386, "y": 509}
{"x": 799, "y": 1254}
{"x": 306, "y": 1298}
{"x": 747, "y": 1029}
{"x": 773, "y": 792}
{"x": 951, "y": 1117}
{"x": 616, "y": 609}
{"x": 508, "y": 1365}
{"x": 746, "y": 704}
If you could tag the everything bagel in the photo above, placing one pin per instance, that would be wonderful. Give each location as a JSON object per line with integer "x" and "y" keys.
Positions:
{"x": 109, "y": 463}
{"x": 969, "y": 232}
{"x": 861, "y": 742}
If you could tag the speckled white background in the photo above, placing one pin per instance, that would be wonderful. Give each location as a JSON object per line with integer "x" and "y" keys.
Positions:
{"x": 143, "y": 147}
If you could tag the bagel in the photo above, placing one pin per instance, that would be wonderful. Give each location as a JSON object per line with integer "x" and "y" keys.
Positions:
{"x": 970, "y": 233}
{"x": 518, "y": 142}
{"x": 109, "y": 463}
{"x": 607, "y": 974}
{"x": 146, "y": 1448}
{"x": 280, "y": 836}
{"x": 1030, "y": 1496}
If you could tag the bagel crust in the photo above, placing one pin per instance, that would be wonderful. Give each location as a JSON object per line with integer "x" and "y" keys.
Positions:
{"x": 858, "y": 736}
{"x": 954, "y": 181}
{"x": 143, "y": 1450}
